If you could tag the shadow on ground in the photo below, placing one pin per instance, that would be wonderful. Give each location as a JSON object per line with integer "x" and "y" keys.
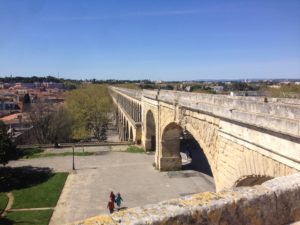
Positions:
{"x": 12, "y": 178}
{"x": 122, "y": 208}
{"x": 102, "y": 153}
{"x": 25, "y": 153}
{"x": 4, "y": 221}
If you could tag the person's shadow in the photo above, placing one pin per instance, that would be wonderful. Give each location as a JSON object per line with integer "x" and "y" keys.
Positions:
{"x": 122, "y": 208}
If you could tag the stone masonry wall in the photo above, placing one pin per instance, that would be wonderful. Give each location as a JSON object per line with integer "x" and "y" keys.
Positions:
{"x": 235, "y": 163}
{"x": 275, "y": 202}
{"x": 234, "y": 152}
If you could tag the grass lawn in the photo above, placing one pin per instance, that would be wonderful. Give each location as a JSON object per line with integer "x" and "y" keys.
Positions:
{"x": 3, "y": 201}
{"x": 44, "y": 194}
{"x": 59, "y": 154}
{"x": 134, "y": 149}
{"x": 35, "y": 152}
{"x": 41, "y": 217}
{"x": 28, "y": 152}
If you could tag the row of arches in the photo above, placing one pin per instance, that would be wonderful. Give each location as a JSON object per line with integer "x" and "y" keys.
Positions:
{"x": 177, "y": 143}
{"x": 132, "y": 108}
{"x": 124, "y": 128}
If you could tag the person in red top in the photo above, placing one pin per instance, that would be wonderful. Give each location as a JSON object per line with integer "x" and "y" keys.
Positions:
{"x": 112, "y": 196}
{"x": 111, "y": 205}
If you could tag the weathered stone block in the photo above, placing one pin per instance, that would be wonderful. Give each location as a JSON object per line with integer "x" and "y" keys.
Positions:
{"x": 170, "y": 164}
{"x": 287, "y": 193}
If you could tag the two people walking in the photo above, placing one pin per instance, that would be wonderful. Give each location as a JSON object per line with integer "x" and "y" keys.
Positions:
{"x": 112, "y": 200}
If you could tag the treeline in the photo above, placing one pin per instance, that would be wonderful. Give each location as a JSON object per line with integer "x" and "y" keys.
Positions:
{"x": 53, "y": 79}
{"x": 31, "y": 79}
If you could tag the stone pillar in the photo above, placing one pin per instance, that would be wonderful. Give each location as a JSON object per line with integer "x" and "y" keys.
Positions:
{"x": 148, "y": 144}
{"x": 139, "y": 113}
{"x": 131, "y": 109}
{"x": 169, "y": 163}
{"x": 135, "y": 112}
{"x": 170, "y": 158}
{"x": 138, "y": 134}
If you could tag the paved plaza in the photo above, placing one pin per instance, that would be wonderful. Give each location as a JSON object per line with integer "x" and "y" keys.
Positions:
{"x": 87, "y": 189}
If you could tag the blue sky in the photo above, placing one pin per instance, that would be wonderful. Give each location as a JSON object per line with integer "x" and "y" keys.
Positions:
{"x": 157, "y": 39}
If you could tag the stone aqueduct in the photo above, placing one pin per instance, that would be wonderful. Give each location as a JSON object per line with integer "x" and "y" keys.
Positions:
{"x": 246, "y": 140}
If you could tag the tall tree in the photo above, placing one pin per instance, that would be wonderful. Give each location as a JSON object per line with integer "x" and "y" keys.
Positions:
{"x": 90, "y": 107}
{"x": 50, "y": 124}
{"x": 7, "y": 148}
{"x": 60, "y": 126}
{"x": 40, "y": 118}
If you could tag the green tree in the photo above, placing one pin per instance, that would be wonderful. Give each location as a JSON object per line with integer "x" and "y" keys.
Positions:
{"x": 60, "y": 127}
{"x": 90, "y": 107}
{"x": 7, "y": 148}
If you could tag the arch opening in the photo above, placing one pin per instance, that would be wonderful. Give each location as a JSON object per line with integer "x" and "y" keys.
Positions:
{"x": 195, "y": 158}
{"x": 150, "y": 144}
{"x": 183, "y": 150}
{"x": 131, "y": 134}
{"x": 126, "y": 131}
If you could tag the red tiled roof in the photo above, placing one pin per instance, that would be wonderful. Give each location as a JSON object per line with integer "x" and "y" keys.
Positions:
{"x": 10, "y": 117}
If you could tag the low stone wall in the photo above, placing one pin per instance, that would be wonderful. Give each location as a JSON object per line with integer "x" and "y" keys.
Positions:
{"x": 134, "y": 93}
{"x": 276, "y": 201}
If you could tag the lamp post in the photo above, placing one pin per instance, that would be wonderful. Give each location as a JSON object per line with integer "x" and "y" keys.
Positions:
{"x": 73, "y": 164}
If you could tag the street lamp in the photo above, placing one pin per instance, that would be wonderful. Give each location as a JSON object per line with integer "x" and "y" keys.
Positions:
{"x": 73, "y": 164}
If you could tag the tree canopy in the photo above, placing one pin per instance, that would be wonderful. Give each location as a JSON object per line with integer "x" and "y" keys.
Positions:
{"x": 90, "y": 107}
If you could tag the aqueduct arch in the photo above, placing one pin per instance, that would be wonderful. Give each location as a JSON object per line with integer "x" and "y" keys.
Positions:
{"x": 150, "y": 143}
{"x": 130, "y": 134}
{"x": 175, "y": 140}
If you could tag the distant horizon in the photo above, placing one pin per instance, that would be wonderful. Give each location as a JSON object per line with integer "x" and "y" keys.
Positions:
{"x": 155, "y": 40}
{"x": 195, "y": 80}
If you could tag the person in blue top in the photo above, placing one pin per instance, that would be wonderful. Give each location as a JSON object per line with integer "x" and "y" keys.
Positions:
{"x": 118, "y": 200}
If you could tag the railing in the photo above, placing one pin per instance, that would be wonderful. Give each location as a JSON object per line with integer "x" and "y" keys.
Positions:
{"x": 134, "y": 93}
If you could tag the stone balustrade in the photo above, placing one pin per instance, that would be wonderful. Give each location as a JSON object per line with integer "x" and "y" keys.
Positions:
{"x": 134, "y": 93}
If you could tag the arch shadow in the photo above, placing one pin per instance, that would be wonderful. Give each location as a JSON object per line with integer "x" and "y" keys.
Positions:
{"x": 178, "y": 142}
{"x": 150, "y": 132}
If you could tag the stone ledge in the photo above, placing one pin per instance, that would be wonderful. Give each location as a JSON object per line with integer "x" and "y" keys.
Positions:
{"x": 276, "y": 201}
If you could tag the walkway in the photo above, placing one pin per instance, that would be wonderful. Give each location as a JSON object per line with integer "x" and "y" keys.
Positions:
{"x": 87, "y": 190}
